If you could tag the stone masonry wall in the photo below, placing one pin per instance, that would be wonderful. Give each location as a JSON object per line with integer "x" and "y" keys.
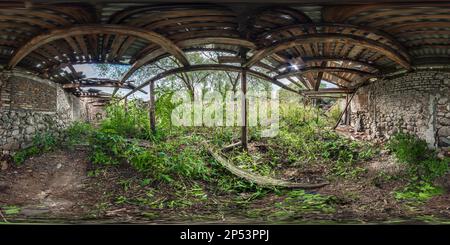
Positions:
{"x": 416, "y": 102}
{"x": 30, "y": 105}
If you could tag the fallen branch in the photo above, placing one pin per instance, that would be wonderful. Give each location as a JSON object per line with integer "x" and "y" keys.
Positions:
{"x": 231, "y": 146}
{"x": 3, "y": 217}
{"x": 257, "y": 179}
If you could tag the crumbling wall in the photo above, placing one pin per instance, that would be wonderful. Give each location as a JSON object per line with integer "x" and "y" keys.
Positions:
{"x": 30, "y": 105}
{"x": 94, "y": 109}
{"x": 416, "y": 102}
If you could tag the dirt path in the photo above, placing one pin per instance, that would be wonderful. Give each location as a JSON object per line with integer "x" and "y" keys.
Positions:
{"x": 56, "y": 186}
{"x": 50, "y": 184}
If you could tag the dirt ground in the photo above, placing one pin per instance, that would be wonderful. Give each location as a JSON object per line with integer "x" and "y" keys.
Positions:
{"x": 53, "y": 184}
{"x": 59, "y": 187}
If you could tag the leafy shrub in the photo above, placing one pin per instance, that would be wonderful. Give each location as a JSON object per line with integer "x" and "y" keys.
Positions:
{"x": 408, "y": 148}
{"x": 78, "y": 132}
{"x": 294, "y": 116}
{"x": 132, "y": 122}
{"x": 422, "y": 163}
{"x": 163, "y": 108}
{"x": 418, "y": 192}
{"x": 300, "y": 201}
{"x": 423, "y": 167}
{"x": 345, "y": 154}
{"x": 334, "y": 113}
{"x": 45, "y": 141}
{"x": 166, "y": 160}
{"x": 22, "y": 155}
{"x": 107, "y": 147}
{"x": 42, "y": 142}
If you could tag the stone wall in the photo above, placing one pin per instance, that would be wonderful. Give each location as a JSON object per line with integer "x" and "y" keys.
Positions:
{"x": 416, "y": 102}
{"x": 30, "y": 105}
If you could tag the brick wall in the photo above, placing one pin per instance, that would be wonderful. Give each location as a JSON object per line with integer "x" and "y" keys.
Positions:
{"x": 29, "y": 94}
{"x": 416, "y": 102}
{"x": 30, "y": 105}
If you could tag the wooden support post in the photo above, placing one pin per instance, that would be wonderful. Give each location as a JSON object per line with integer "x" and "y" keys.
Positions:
{"x": 345, "y": 109}
{"x": 151, "y": 105}
{"x": 126, "y": 104}
{"x": 346, "y": 116}
{"x": 244, "y": 129}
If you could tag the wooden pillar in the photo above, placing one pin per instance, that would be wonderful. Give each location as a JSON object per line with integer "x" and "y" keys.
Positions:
{"x": 151, "y": 106}
{"x": 347, "y": 103}
{"x": 346, "y": 119}
{"x": 244, "y": 118}
{"x": 126, "y": 104}
{"x": 317, "y": 84}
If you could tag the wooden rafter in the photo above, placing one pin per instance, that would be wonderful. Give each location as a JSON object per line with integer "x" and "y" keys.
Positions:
{"x": 326, "y": 69}
{"x": 43, "y": 39}
{"x": 186, "y": 44}
{"x": 309, "y": 61}
{"x": 335, "y": 26}
{"x": 209, "y": 67}
{"x": 372, "y": 38}
{"x": 324, "y": 38}
{"x": 100, "y": 82}
{"x": 328, "y": 91}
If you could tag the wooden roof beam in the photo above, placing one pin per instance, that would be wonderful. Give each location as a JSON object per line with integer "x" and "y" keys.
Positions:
{"x": 209, "y": 67}
{"x": 319, "y": 76}
{"x": 385, "y": 35}
{"x": 311, "y": 60}
{"x": 384, "y": 49}
{"x": 185, "y": 44}
{"x": 56, "y": 34}
{"x": 328, "y": 91}
{"x": 101, "y": 83}
{"x": 325, "y": 69}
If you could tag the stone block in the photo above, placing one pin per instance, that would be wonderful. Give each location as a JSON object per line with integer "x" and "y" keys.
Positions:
{"x": 444, "y": 131}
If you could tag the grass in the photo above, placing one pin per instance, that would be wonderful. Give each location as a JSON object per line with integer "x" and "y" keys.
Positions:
{"x": 10, "y": 210}
{"x": 422, "y": 168}
{"x": 42, "y": 142}
{"x": 418, "y": 193}
{"x": 187, "y": 176}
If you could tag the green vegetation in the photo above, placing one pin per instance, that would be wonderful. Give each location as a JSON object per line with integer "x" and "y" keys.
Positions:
{"x": 10, "y": 210}
{"x": 305, "y": 140}
{"x": 78, "y": 133}
{"x": 42, "y": 142}
{"x": 422, "y": 167}
{"x": 418, "y": 192}
{"x": 300, "y": 201}
{"x": 422, "y": 163}
{"x": 130, "y": 122}
{"x": 172, "y": 170}
{"x": 175, "y": 160}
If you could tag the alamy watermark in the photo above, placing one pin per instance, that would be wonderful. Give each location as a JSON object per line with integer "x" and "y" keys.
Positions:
{"x": 214, "y": 109}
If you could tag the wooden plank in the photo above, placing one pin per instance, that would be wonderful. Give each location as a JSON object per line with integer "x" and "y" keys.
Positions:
{"x": 328, "y": 91}
{"x": 325, "y": 69}
{"x": 319, "y": 76}
{"x": 55, "y": 34}
{"x": 151, "y": 105}
{"x": 82, "y": 44}
{"x": 339, "y": 38}
{"x": 244, "y": 111}
{"x": 210, "y": 67}
{"x": 187, "y": 43}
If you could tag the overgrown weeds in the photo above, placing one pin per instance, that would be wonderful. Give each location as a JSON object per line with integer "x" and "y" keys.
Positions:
{"x": 422, "y": 167}
{"x": 42, "y": 142}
